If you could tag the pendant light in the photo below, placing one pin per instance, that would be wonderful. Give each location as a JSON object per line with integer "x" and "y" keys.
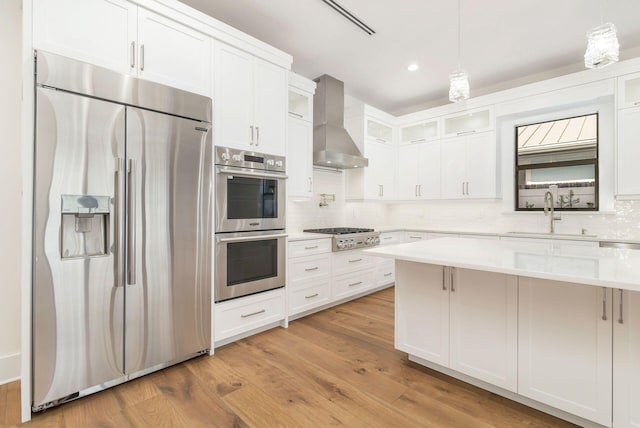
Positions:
{"x": 458, "y": 79}
{"x": 602, "y": 45}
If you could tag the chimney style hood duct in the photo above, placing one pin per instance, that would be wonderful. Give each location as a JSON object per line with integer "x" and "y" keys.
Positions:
{"x": 332, "y": 145}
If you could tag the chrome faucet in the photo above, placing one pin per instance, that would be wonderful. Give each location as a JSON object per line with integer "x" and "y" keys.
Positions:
{"x": 548, "y": 206}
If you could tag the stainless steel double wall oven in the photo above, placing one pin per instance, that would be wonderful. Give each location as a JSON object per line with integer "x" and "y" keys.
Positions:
{"x": 250, "y": 223}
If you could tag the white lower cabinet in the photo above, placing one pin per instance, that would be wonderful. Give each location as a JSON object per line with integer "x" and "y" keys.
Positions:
{"x": 626, "y": 359}
{"x": 348, "y": 284}
{"x": 309, "y": 275}
{"x": 565, "y": 347}
{"x": 484, "y": 326}
{"x": 242, "y": 315}
{"x": 309, "y": 295}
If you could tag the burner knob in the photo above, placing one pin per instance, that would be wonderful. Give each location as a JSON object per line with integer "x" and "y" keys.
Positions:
{"x": 270, "y": 162}
{"x": 225, "y": 156}
{"x": 340, "y": 245}
{"x": 279, "y": 164}
{"x": 376, "y": 240}
{"x": 367, "y": 241}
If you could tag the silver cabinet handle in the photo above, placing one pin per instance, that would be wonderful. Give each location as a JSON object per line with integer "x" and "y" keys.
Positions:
{"x": 380, "y": 140}
{"x": 415, "y": 237}
{"x": 417, "y": 141}
{"x": 355, "y": 283}
{"x": 419, "y": 189}
{"x": 261, "y": 311}
{"x": 257, "y": 135}
{"x": 637, "y": 103}
{"x": 621, "y": 317}
{"x": 604, "y": 304}
{"x": 133, "y": 55}
{"x": 142, "y": 57}
{"x": 453, "y": 288}
{"x": 388, "y": 237}
{"x": 251, "y": 127}
{"x": 416, "y": 190}
{"x": 388, "y": 274}
{"x": 312, "y": 296}
{"x": 466, "y": 132}
{"x": 310, "y": 184}
{"x": 119, "y": 217}
{"x": 380, "y": 190}
{"x": 296, "y": 114}
{"x": 444, "y": 282}
{"x": 463, "y": 187}
{"x": 311, "y": 269}
{"x": 228, "y": 171}
{"x": 252, "y": 238}
{"x": 467, "y": 188}
{"x": 311, "y": 248}
{"x": 131, "y": 223}
{"x": 355, "y": 261}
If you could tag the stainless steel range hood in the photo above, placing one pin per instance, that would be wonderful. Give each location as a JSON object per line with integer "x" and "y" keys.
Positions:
{"x": 332, "y": 145}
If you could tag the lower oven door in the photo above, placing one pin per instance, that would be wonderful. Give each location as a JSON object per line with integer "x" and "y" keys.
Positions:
{"x": 248, "y": 263}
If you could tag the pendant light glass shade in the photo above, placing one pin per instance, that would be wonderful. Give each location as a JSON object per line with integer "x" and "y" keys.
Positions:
{"x": 459, "y": 86}
{"x": 602, "y": 46}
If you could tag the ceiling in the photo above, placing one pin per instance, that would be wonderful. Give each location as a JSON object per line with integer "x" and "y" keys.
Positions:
{"x": 504, "y": 43}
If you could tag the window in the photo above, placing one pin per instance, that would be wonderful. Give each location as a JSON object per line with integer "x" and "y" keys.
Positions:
{"x": 560, "y": 157}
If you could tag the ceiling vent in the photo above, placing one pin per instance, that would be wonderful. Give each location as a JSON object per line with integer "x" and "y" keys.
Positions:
{"x": 349, "y": 16}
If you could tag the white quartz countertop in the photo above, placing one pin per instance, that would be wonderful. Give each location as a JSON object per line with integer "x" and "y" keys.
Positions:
{"x": 605, "y": 267}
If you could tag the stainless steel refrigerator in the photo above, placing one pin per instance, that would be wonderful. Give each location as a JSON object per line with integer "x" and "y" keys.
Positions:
{"x": 122, "y": 228}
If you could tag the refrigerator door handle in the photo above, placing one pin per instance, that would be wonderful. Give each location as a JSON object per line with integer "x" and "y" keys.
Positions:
{"x": 131, "y": 223}
{"x": 118, "y": 232}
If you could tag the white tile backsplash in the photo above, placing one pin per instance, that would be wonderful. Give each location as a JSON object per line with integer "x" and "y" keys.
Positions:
{"x": 479, "y": 216}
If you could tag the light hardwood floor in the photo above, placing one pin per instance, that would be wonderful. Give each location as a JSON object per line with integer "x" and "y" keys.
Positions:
{"x": 334, "y": 368}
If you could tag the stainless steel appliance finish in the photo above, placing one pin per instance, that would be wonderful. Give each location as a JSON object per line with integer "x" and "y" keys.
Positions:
{"x": 332, "y": 145}
{"x": 620, "y": 245}
{"x": 250, "y": 191}
{"x": 349, "y": 238}
{"x": 248, "y": 263}
{"x": 122, "y": 230}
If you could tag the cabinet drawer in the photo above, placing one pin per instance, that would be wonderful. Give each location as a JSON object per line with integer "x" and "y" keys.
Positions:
{"x": 415, "y": 236}
{"x": 310, "y": 247}
{"x": 351, "y": 283}
{"x": 349, "y": 261}
{"x": 310, "y": 296}
{"x": 388, "y": 238}
{"x": 310, "y": 267}
{"x": 247, "y": 313}
{"x": 385, "y": 274}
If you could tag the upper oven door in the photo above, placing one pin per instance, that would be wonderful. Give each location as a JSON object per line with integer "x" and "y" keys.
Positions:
{"x": 249, "y": 200}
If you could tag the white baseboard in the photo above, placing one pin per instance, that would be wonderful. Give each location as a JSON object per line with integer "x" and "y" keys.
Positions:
{"x": 9, "y": 368}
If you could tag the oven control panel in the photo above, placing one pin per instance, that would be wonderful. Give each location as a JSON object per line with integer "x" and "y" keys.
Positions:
{"x": 355, "y": 240}
{"x": 228, "y": 156}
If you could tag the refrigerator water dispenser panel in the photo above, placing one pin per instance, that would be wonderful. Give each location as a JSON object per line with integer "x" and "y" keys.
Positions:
{"x": 85, "y": 226}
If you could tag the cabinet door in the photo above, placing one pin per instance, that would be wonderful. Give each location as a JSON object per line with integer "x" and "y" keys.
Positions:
{"x": 626, "y": 359}
{"x": 408, "y": 164}
{"x": 378, "y": 176}
{"x": 429, "y": 171}
{"x": 270, "y": 107}
{"x": 484, "y": 327}
{"x": 233, "y": 95}
{"x": 453, "y": 162}
{"x": 99, "y": 32}
{"x": 173, "y": 54}
{"x": 481, "y": 166}
{"x": 564, "y": 355}
{"x": 628, "y": 151}
{"x": 422, "y": 311}
{"x": 300, "y": 158}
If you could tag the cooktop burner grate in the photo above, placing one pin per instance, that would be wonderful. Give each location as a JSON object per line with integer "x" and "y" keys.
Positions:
{"x": 339, "y": 230}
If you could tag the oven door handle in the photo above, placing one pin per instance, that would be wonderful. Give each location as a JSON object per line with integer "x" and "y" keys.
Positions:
{"x": 252, "y": 238}
{"x": 251, "y": 174}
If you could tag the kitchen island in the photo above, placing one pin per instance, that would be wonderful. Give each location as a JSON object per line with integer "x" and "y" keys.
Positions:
{"x": 554, "y": 326}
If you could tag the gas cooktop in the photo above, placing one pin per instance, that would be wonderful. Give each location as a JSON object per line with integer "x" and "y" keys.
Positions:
{"x": 349, "y": 238}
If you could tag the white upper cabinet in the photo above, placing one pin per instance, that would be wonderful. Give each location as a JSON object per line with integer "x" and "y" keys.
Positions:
{"x": 418, "y": 171}
{"x": 127, "y": 39}
{"x": 468, "y": 122}
{"x": 468, "y": 167}
{"x": 172, "y": 54}
{"x": 300, "y": 137}
{"x": 629, "y": 90}
{"x": 628, "y": 152}
{"x": 100, "y": 32}
{"x": 250, "y": 107}
{"x": 300, "y": 104}
{"x": 379, "y": 176}
{"x": 378, "y": 131}
{"x": 420, "y": 132}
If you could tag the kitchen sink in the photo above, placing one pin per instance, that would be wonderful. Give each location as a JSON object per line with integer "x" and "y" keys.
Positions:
{"x": 553, "y": 235}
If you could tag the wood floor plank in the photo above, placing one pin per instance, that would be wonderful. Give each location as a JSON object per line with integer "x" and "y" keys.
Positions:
{"x": 135, "y": 391}
{"x": 197, "y": 405}
{"x": 216, "y": 374}
{"x": 155, "y": 412}
{"x": 99, "y": 409}
{"x": 3, "y": 404}
{"x": 12, "y": 411}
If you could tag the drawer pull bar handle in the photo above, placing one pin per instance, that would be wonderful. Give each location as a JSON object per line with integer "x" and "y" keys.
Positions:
{"x": 452, "y": 285}
{"x": 355, "y": 261}
{"x": 621, "y": 318}
{"x": 388, "y": 274}
{"x": 388, "y": 237}
{"x": 296, "y": 114}
{"x": 253, "y": 313}
{"x": 604, "y": 304}
{"x": 311, "y": 248}
{"x": 415, "y": 237}
{"x": 310, "y": 269}
{"x": 312, "y": 296}
{"x": 355, "y": 283}
{"x": 444, "y": 283}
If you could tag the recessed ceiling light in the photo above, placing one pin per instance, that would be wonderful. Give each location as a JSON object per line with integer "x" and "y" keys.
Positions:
{"x": 413, "y": 67}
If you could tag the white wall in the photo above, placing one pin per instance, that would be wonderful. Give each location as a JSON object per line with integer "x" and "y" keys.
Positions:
{"x": 10, "y": 177}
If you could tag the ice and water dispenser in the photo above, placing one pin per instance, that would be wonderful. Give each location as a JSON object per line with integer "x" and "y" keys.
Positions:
{"x": 85, "y": 226}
